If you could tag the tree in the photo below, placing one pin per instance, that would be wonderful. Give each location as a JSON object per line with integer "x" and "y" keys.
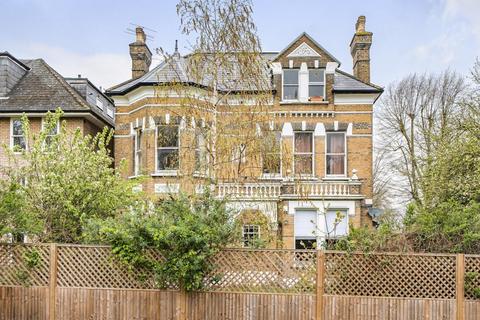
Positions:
{"x": 61, "y": 181}
{"x": 416, "y": 116}
{"x": 226, "y": 109}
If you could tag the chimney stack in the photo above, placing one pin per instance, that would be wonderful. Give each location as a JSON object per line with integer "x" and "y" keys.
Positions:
{"x": 140, "y": 54}
{"x": 360, "y": 50}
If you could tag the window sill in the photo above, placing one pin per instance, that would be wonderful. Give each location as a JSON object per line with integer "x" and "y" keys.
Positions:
{"x": 335, "y": 178}
{"x": 136, "y": 176}
{"x": 306, "y": 178}
{"x": 271, "y": 176}
{"x": 200, "y": 175}
{"x": 289, "y": 102}
{"x": 165, "y": 173}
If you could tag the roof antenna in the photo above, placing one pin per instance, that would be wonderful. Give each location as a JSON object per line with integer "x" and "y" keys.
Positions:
{"x": 176, "y": 54}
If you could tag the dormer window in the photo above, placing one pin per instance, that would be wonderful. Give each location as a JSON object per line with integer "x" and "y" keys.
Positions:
{"x": 290, "y": 84}
{"x": 316, "y": 84}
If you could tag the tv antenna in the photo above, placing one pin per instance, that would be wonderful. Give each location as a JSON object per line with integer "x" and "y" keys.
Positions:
{"x": 147, "y": 35}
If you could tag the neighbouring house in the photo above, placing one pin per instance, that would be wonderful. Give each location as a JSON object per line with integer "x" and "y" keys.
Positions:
{"x": 321, "y": 119}
{"x": 33, "y": 88}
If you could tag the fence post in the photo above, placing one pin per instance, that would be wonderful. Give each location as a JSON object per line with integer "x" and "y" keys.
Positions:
{"x": 52, "y": 282}
{"x": 320, "y": 284}
{"x": 460, "y": 288}
{"x": 182, "y": 305}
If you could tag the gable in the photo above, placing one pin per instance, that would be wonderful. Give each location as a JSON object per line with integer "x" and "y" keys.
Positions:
{"x": 304, "y": 48}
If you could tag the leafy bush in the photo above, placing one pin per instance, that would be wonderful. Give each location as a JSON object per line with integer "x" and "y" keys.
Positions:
{"x": 187, "y": 231}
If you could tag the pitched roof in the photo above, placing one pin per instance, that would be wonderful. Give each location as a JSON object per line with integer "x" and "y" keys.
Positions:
{"x": 176, "y": 70}
{"x": 43, "y": 89}
{"x": 347, "y": 83}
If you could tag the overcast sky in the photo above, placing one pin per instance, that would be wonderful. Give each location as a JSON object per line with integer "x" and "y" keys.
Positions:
{"x": 88, "y": 36}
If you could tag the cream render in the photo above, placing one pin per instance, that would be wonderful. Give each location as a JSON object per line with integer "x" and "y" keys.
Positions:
{"x": 325, "y": 169}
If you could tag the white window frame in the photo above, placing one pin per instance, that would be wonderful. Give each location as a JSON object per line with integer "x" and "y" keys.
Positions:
{"x": 99, "y": 103}
{"x": 317, "y": 83}
{"x": 255, "y": 234}
{"x": 304, "y": 153}
{"x": 12, "y": 146}
{"x": 57, "y": 127}
{"x": 283, "y": 84}
{"x": 344, "y": 175}
{"x": 347, "y": 218}
{"x": 137, "y": 152}
{"x": 239, "y": 154}
{"x": 168, "y": 172}
{"x": 110, "y": 112}
{"x": 197, "y": 148}
{"x": 279, "y": 174}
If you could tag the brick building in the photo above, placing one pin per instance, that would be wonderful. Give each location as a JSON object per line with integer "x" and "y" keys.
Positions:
{"x": 321, "y": 118}
{"x": 33, "y": 88}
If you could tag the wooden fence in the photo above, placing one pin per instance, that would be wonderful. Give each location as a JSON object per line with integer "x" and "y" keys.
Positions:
{"x": 85, "y": 282}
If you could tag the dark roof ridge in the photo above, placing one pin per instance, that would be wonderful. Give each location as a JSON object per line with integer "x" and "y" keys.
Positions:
{"x": 18, "y": 61}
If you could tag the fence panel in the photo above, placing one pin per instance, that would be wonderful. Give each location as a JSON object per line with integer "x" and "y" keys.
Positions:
{"x": 96, "y": 267}
{"x": 271, "y": 271}
{"x": 390, "y": 275}
{"x": 24, "y": 265}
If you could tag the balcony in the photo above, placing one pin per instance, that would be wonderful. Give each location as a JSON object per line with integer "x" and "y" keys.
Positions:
{"x": 349, "y": 189}
{"x": 263, "y": 191}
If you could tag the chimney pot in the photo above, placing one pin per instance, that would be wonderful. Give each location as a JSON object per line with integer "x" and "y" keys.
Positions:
{"x": 360, "y": 25}
{"x": 140, "y": 35}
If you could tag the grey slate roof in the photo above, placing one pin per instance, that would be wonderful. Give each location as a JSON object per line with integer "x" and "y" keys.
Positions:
{"x": 344, "y": 82}
{"x": 175, "y": 70}
{"x": 43, "y": 89}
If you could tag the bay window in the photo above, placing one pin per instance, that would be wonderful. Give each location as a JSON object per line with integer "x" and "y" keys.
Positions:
{"x": 303, "y": 153}
{"x": 290, "y": 84}
{"x": 200, "y": 152}
{"x": 167, "y": 147}
{"x": 335, "y": 155}
{"x": 137, "y": 147}
{"x": 271, "y": 158}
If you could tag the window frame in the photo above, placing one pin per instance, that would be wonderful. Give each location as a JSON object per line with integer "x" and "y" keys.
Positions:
{"x": 110, "y": 112}
{"x": 12, "y": 136}
{"x": 291, "y": 85}
{"x": 99, "y": 103}
{"x": 57, "y": 129}
{"x": 198, "y": 149}
{"x": 280, "y": 153}
{"x": 251, "y": 233}
{"x": 347, "y": 220}
{"x": 316, "y": 83}
{"x": 137, "y": 151}
{"x": 336, "y": 154}
{"x": 167, "y": 171}
{"x": 312, "y": 153}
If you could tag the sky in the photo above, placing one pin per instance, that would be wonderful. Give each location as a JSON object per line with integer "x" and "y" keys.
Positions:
{"x": 89, "y": 37}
